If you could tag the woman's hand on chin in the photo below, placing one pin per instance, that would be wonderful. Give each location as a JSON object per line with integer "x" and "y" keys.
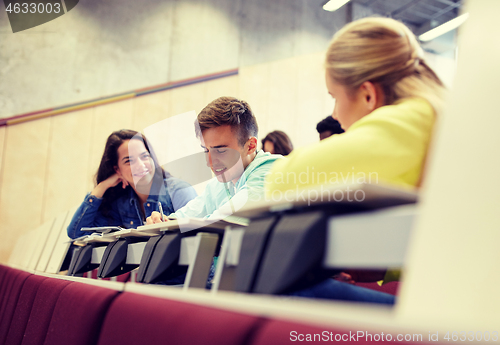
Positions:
{"x": 111, "y": 181}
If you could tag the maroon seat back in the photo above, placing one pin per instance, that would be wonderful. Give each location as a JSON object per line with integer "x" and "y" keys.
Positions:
{"x": 8, "y": 277}
{"x": 23, "y": 309}
{"x": 79, "y": 314}
{"x": 3, "y": 270}
{"x": 9, "y": 303}
{"x": 43, "y": 307}
{"x": 5, "y": 278}
{"x": 139, "y": 319}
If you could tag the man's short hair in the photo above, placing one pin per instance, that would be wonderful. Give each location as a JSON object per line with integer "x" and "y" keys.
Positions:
{"x": 329, "y": 124}
{"x": 229, "y": 111}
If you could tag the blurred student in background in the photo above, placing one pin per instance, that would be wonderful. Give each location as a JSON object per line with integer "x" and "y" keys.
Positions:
{"x": 277, "y": 142}
{"x": 129, "y": 184}
{"x": 328, "y": 127}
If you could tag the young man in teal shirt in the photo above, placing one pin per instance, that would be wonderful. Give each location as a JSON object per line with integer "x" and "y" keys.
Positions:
{"x": 228, "y": 133}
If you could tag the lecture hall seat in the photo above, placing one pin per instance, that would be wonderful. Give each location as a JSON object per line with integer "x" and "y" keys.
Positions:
{"x": 9, "y": 303}
{"x": 5, "y": 278}
{"x": 79, "y": 314}
{"x": 139, "y": 319}
{"x": 6, "y": 281}
{"x": 23, "y": 310}
{"x": 43, "y": 307}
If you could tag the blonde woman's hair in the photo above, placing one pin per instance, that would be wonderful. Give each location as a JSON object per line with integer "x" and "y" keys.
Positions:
{"x": 383, "y": 51}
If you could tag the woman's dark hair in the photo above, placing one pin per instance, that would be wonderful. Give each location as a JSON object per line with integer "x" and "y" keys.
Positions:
{"x": 329, "y": 124}
{"x": 109, "y": 161}
{"x": 282, "y": 143}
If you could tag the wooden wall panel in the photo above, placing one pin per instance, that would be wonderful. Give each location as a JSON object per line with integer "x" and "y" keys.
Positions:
{"x": 283, "y": 91}
{"x": 288, "y": 95}
{"x": 149, "y": 109}
{"x": 23, "y": 181}
{"x": 228, "y": 86}
{"x": 106, "y": 119}
{"x": 253, "y": 88}
{"x": 187, "y": 98}
{"x": 68, "y": 161}
{"x": 312, "y": 98}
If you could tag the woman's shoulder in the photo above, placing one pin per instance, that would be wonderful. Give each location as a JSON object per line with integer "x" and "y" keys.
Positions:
{"x": 404, "y": 113}
{"x": 174, "y": 183}
{"x": 416, "y": 105}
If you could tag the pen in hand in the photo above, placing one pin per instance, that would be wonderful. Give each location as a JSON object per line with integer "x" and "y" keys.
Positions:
{"x": 161, "y": 211}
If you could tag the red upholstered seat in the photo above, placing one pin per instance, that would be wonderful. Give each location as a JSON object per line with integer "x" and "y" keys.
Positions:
{"x": 138, "y": 319}
{"x": 43, "y": 307}
{"x": 79, "y": 314}
{"x": 5, "y": 278}
{"x": 23, "y": 309}
{"x": 8, "y": 285}
{"x": 9, "y": 303}
{"x": 3, "y": 270}
{"x": 390, "y": 288}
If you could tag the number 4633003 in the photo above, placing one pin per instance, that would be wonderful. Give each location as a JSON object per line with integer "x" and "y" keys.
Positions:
{"x": 34, "y": 8}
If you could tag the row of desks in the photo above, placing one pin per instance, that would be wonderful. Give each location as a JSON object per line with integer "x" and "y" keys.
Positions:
{"x": 283, "y": 240}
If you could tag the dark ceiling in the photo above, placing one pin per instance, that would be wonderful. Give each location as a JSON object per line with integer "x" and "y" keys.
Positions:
{"x": 420, "y": 15}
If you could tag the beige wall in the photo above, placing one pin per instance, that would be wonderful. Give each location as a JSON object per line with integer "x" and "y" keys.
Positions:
{"x": 47, "y": 165}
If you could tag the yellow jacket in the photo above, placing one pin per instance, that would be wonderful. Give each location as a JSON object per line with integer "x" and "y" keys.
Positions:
{"x": 388, "y": 145}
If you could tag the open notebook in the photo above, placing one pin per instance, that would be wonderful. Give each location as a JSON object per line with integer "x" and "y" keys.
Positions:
{"x": 180, "y": 224}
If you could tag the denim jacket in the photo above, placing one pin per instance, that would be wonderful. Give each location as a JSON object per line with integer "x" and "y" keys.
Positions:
{"x": 125, "y": 211}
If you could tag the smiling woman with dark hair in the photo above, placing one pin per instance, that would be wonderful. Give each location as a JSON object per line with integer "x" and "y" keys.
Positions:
{"x": 129, "y": 185}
